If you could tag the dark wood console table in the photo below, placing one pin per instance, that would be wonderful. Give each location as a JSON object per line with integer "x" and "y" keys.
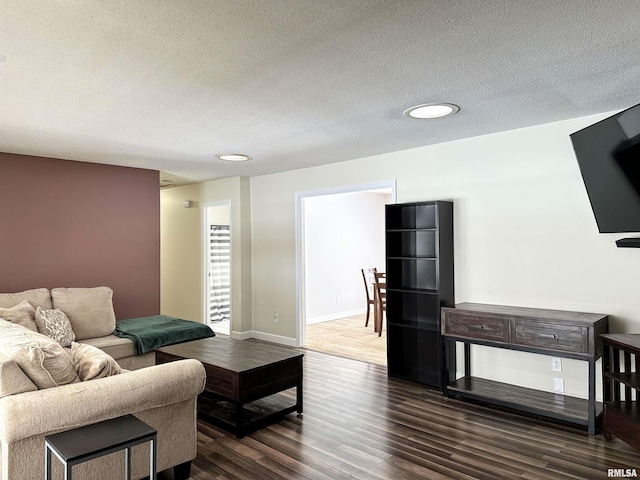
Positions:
{"x": 548, "y": 332}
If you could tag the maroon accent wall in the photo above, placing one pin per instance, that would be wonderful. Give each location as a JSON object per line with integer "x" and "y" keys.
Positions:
{"x": 75, "y": 224}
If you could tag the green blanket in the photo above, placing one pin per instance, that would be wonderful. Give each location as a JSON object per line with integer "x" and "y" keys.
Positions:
{"x": 149, "y": 333}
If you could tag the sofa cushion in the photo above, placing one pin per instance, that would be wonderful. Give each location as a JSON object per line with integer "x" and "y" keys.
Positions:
{"x": 90, "y": 310}
{"x": 42, "y": 359}
{"x": 38, "y": 297}
{"x": 116, "y": 347}
{"x": 137, "y": 362}
{"x": 21, "y": 314}
{"x": 12, "y": 379}
{"x": 91, "y": 362}
{"x": 55, "y": 324}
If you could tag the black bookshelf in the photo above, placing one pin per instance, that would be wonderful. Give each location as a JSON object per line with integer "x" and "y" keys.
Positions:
{"x": 419, "y": 246}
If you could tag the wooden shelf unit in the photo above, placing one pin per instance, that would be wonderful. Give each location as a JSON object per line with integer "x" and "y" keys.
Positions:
{"x": 419, "y": 247}
{"x": 621, "y": 384}
{"x": 547, "y": 332}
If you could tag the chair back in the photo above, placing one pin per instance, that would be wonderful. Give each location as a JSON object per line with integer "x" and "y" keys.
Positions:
{"x": 380, "y": 300}
{"x": 369, "y": 277}
{"x": 381, "y": 288}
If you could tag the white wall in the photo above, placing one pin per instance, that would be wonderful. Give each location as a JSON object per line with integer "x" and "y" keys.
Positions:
{"x": 343, "y": 233}
{"x": 180, "y": 254}
{"x": 524, "y": 235}
{"x": 181, "y": 248}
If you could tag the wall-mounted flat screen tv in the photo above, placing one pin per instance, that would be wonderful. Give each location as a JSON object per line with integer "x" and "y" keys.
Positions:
{"x": 608, "y": 154}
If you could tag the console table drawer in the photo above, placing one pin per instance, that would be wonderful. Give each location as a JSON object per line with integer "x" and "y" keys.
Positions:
{"x": 476, "y": 326}
{"x": 554, "y": 337}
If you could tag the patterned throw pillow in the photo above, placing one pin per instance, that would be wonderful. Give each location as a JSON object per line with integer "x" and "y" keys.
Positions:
{"x": 55, "y": 324}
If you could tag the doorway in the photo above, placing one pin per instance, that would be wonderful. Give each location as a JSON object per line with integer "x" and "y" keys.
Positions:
{"x": 340, "y": 232}
{"x": 217, "y": 268}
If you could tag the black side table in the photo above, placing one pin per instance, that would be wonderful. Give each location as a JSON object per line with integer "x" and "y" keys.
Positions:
{"x": 92, "y": 441}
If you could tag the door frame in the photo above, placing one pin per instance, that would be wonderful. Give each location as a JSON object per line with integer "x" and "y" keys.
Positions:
{"x": 301, "y": 317}
{"x": 205, "y": 259}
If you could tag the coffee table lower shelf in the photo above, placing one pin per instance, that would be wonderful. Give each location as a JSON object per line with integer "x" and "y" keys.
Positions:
{"x": 556, "y": 406}
{"x": 242, "y": 419}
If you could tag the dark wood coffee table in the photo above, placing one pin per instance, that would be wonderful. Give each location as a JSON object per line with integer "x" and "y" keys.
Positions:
{"x": 243, "y": 378}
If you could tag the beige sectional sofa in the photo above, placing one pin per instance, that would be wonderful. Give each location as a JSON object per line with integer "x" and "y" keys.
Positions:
{"x": 46, "y": 388}
{"x": 90, "y": 311}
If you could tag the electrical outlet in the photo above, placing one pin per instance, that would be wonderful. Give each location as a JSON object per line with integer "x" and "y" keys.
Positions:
{"x": 337, "y": 300}
{"x": 275, "y": 317}
{"x": 558, "y": 385}
{"x": 556, "y": 364}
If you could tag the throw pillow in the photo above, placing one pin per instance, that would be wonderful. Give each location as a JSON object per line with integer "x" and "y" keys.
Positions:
{"x": 55, "y": 324}
{"x": 12, "y": 378}
{"x": 91, "y": 362}
{"x": 22, "y": 314}
{"x": 38, "y": 297}
{"x": 90, "y": 310}
{"x": 42, "y": 359}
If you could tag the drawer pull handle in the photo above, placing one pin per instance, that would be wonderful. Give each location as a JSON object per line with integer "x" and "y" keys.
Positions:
{"x": 476, "y": 327}
{"x": 547, "y": 335}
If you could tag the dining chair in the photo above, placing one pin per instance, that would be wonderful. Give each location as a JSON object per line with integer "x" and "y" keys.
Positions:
{"x": 369, "y": 277}
{"x": 380, "y": 301}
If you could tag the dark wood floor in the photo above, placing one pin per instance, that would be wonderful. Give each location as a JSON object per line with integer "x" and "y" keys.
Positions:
{"x": 359, "y": 424}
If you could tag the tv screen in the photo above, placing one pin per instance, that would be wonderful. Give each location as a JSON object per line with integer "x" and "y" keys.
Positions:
{"x": 608, "y": 154}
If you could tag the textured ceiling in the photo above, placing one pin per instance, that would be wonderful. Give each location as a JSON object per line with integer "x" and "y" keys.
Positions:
{"x": 168, "y": 84}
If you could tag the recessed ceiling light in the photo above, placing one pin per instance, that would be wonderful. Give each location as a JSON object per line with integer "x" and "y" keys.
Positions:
{"x": 234, "y": 157}
{"x": 431, "y": 110}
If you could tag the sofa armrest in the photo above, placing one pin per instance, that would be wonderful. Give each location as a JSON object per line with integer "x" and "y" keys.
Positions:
{"x": 69, "y": 406}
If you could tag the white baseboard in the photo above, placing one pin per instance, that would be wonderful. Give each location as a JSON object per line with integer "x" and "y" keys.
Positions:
{"x": 267, "y": 337}
{"x": 335, "y": 316}
{"x": 241, "y": 335}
